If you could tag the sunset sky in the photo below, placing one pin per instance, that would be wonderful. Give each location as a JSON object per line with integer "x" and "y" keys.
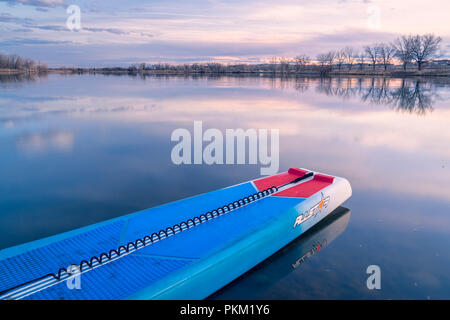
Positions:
{"x": 118, "y": 32}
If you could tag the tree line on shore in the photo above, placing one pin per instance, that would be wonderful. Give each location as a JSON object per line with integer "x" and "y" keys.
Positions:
{"x": 407, "y": 50}
{"x": 15, "y": 62}
{"x": 417, "y": 49}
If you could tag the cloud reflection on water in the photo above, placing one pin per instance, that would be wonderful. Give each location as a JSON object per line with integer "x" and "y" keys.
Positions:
{"x": 41, "y": 142}
{"x": 347, "y": 121}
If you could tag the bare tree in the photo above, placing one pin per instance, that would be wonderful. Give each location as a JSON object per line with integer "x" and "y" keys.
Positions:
{"x": 403, "y": 52}
{"x": 386, "y": 53}
{"x": 372, "y": 54}
{"x": 331, "y": 56}
{"x": 142, "y": 66}
{"x": 13, "y": 61}
{"x": 3, "y": 61}
{"x": 19, "y": 63}
{"x": 322, "y": 58}
{"x": 326, "y": 61}
{"x": 361, "y": 59}
{"x": 273, "y": 63}
{"x": 340, "y": 59}
{"x": 349, "y": 57}
{"x": 284, "y": 65}
{"x": 300, "y": 62}
{"x": 29, "y": 64}
{"x": 42, "y": 67}
{"x": 424, "y": 47}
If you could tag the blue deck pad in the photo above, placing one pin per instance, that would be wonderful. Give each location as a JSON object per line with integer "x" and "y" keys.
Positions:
{"x": 217, "y": 233}
{"x": 48, "y": 259}
{"x": 115, "y": 280}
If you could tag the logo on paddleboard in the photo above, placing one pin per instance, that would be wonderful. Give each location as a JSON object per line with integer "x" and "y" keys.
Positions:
{"x": 316, "y": 209}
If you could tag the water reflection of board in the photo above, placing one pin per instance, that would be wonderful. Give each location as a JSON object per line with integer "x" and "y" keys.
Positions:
{"x": 257, "y": 282}
{"x": 199, "y": 250}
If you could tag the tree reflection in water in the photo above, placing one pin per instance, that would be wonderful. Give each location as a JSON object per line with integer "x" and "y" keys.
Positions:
{"x": 410, "y": 95}
{"x": 22, "y": 77}
{"x": 413, "y": 95}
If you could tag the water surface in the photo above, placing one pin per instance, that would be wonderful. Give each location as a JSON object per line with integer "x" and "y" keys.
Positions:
{"x": 76, "y": 150}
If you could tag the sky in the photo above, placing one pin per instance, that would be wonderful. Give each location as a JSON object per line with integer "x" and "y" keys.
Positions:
{"x": 120, "y": 33}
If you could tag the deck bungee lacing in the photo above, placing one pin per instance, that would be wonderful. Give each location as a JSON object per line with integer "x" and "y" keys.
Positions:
{"x": 51, "y": 279}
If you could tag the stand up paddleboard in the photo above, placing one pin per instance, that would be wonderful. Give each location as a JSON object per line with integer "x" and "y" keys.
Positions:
{"x": 186, "y": 249}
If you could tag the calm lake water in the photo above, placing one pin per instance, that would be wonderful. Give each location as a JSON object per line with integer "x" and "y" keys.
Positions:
{"x": 76, "y": 150}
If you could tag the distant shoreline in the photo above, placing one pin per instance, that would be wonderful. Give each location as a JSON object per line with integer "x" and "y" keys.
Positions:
{"x": 14, "y": 71}
{"x": 438, "y": 72}
{"x": 391, "y": 73}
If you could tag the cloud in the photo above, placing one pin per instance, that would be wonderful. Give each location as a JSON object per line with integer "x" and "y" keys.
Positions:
{"x": 9, "y": 18}
{"x": 37, "y": 3}
{"x": 25, "y": 42}
{"x": 110, "y": 30}
{"x": 49, "y": 27}
{"x": 30, "y": 24}
{"x": 42, "y": 142}
{"x": 22, "y": 30}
